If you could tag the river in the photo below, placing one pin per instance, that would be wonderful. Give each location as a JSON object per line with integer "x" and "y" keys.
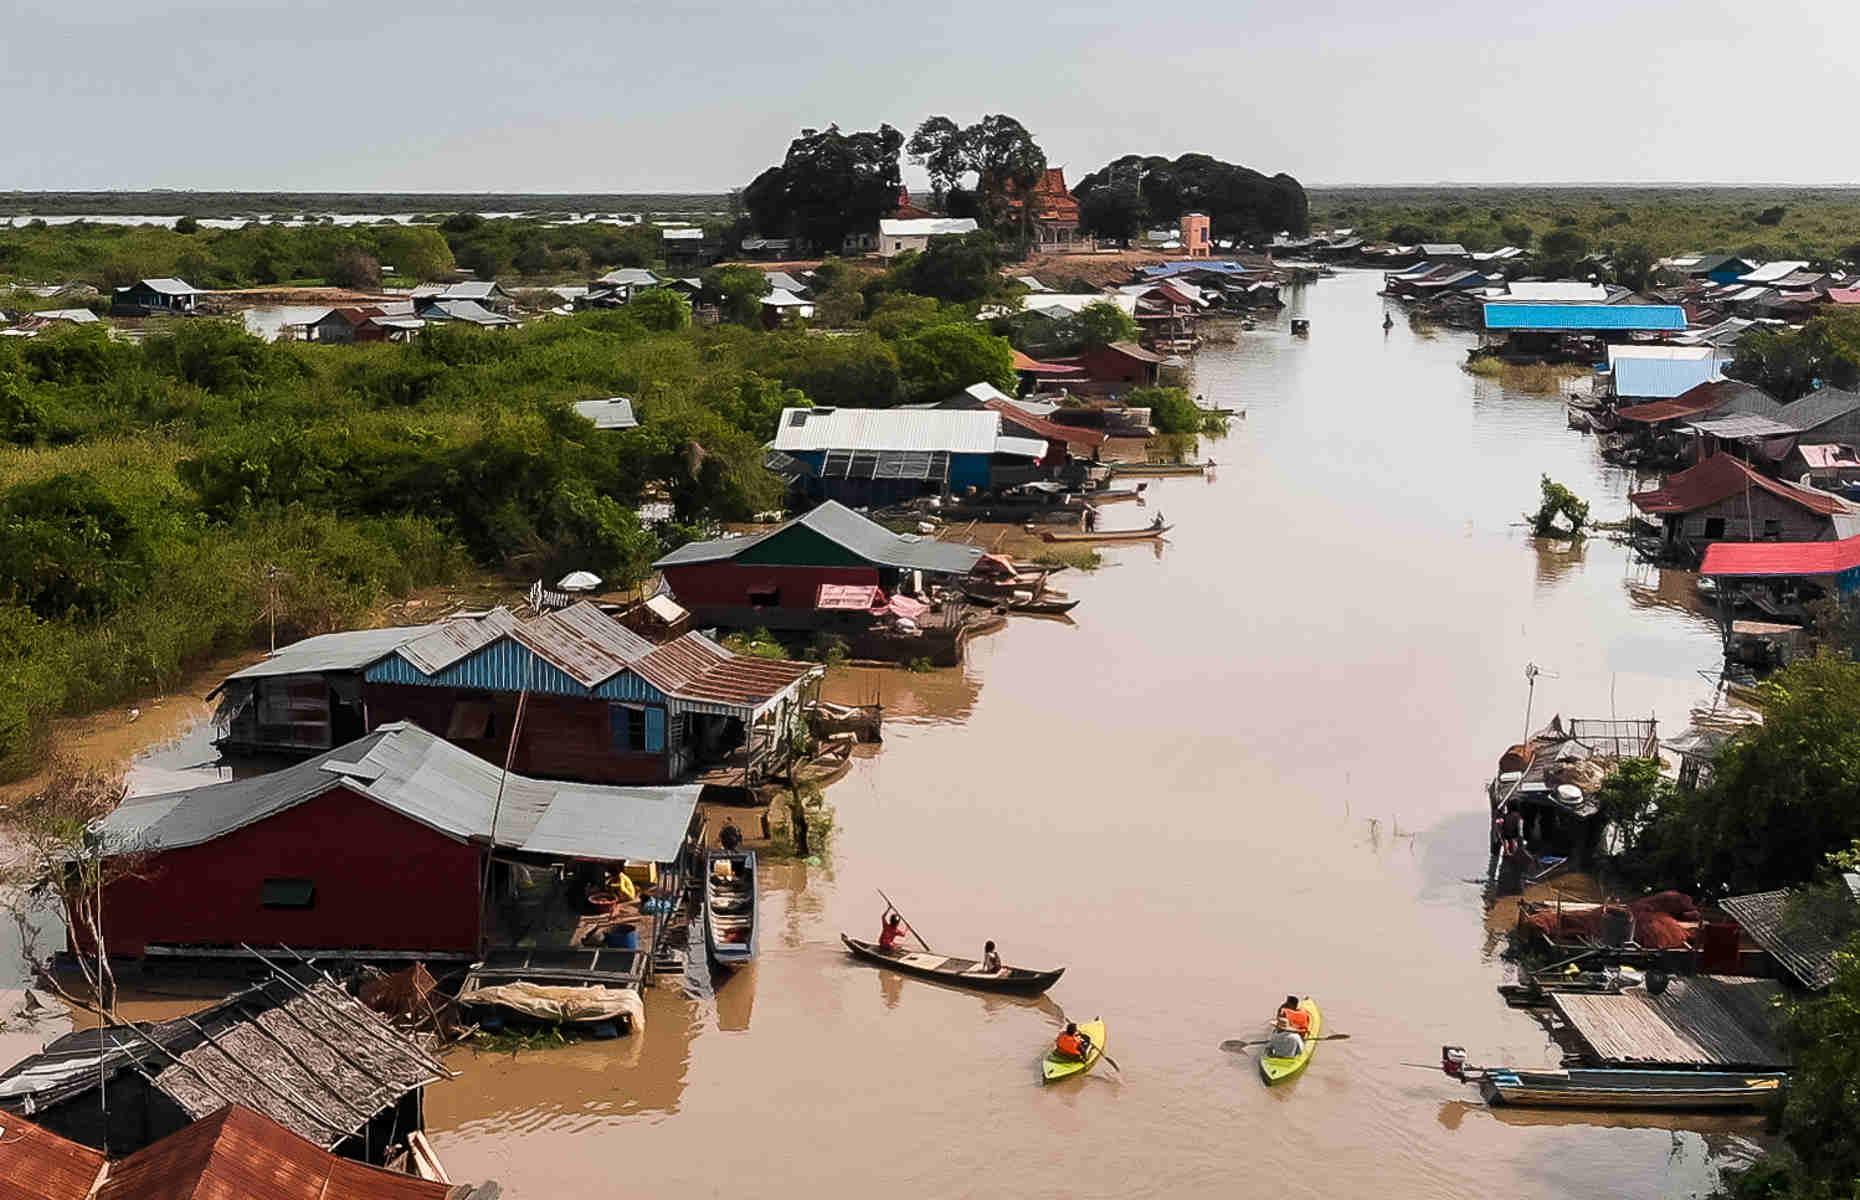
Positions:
{"x": 1252, "y": 767}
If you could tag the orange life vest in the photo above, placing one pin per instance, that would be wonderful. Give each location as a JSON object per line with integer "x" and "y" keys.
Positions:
{"x": 1068, "y": 1044}
{"x": 1296, "y": 1019}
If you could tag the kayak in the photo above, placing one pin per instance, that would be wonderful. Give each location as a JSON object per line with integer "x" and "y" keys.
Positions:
{"x": 1277, "y": 1070}
{"x": 1054, "y": 1068}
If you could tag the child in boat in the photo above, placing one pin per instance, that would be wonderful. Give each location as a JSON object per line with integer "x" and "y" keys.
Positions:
{"x": 893, "y": 929}
{"x": 1072, "y": 1044}
{"x": 991, "y": 962}
{"x": 1291, "y": 1027}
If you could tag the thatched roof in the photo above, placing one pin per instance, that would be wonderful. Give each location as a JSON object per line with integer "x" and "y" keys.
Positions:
{"x": 299, "y": 1050}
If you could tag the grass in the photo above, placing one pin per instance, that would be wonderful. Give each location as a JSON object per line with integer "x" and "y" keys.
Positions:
{"x": 514, "y": 1041}
{"x": 1536, "y": 379}
{"x": 1079, "y": 558}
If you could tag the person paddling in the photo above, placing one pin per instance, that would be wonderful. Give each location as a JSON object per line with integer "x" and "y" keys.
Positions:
{"x": 1290, "y": 1028}
{"x": 892, "y": 930}
{"x": 1073, "y": 1044}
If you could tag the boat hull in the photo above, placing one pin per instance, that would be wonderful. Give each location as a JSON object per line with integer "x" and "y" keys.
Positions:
{"x": 1012, "y": 981}
{"x": 1054, "y": 1068}
{"x": 1159, "y": 469}
{"x": 1683, "y": 1091}
{"x": 730, "y": 910}
{"x": 1114, "y": 535}
{"x": 1278, "y": 1070}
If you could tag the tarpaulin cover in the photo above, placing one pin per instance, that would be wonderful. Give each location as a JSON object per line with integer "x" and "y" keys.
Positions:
{"x": 564, "y": 1003}
{"x": 904, "y": 606}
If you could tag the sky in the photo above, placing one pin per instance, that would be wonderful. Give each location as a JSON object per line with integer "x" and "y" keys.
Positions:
{"x": 695, "y": 95}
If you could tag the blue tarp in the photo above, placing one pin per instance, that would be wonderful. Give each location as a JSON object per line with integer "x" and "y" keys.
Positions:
{"x": 1661, "y": 378}
{"x": 1581, "y": 317}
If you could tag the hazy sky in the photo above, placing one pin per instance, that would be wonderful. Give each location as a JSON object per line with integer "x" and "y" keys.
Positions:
{"x": 611, "y": 96}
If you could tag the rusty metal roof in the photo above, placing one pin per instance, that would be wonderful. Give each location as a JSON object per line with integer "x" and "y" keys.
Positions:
{"x": 36, "y": 1164}
{"x": 584, "y": 642}
{"x": 447, "y": 643}
{"x": 237, "y": 1152}
{"x": 1807, "y": 954}
{"x": 695, "y": 668}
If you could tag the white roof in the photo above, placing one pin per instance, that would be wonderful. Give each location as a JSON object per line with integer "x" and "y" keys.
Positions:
{"x": 1772, "y": 271}
{"x": 1031, "y": 284}
{"x": 783, "y": 298}
{"x": 1025, "y": 447}
{"x": 925, "y": 226}
{"x": 1631, "y": 350}
{"x": 887, "y": 429}
{"x": 665, "y": 608}
{"x": 682, "y": 235}
{"x": 579, "y": 581}
{"x": 985, "y": 391}
{"x": 1753, "y": 292}
{"x": 1563, "y": 291}
{"x": 616, "y": 413}
{"x": 169, "y": 287}
{"x": 1070, "y": 303}
{"x": 80, "y": 316}
{"x": 629, "y": 277}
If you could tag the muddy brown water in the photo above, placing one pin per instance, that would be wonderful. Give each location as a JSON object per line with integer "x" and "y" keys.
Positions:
{"x": 1251, "y": 766}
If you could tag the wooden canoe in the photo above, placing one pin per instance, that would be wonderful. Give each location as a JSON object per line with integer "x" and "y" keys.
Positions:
{"x": 730, "y": 907}
{"x": 1653, "y": 1090}
{"x": 1107, "y": 535}
{"x": 1136, "y": 468}
{"x": 962, "y": 972}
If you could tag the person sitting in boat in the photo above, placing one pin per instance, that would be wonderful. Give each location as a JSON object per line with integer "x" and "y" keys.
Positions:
{"x": 991, "y": 962}
{"x": 731, "y": 837}
{"x": 1158, "y": 522}
{"x": 893, "y": 929}
{"x": 1290, "y": 1028}
{"x": 1073, "y": 1044}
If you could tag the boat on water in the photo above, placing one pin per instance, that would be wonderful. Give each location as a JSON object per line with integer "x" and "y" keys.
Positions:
{"x": 1046, "y": 603}
{"x": 1276, "y": 1069}
{"x": 1148, "y": 468}
{"x": 1053, "y": 1068}
{"x": 730, "y": 906}
{"x": 1107, "y": 535}
{"x": 1582, "y": 1087}
{"x": 961, "y": 972}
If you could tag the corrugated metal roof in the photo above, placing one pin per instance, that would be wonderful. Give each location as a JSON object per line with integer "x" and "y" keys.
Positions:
{"x": 1818, "y": 408}
{"x": 348, "y": 651}
{"x": 1013, "y": 416}
{"x": 1658, "y": 350}
{"x": 239, "y": 1153}
{"x": 925, "y": 226}
{"x": 37, "y": 1164}
{"x": 1442, "y": 249}
{"x": 1579, "y": 317}
{"x": 782, "y": 281}
{"x": 835, "y": 522}
{"x": 584, "y": 642}
{"x": 1742, "y": 425}
{"x": 616, "y": 413}
{"x": 1662, "y": 378}
{"x": 1721, "y": 476}
{"x": 442, "y": 645}
{"x": 1565, "y": 291}
{"x": 1757, "y": 560}
{"x": 959, "y": 432}
{"x": 629, "y": 277}
{"x": 1806, "y": 954}
{"x": 466, "y": 310}
{"x": 428, "y": 780}
{"x": 1771, "y": 272}
{"x": 1700, "y": 1021}
{"x": 682, "y": 235}
{"x": 168, "y": 287}
{"x": 1721, "y": 397}
{"x": 783, "y": 298}
{"x": 1021, "y": 447}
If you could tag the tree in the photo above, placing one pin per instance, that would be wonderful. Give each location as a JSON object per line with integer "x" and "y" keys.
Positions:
{"x": 1771, "y": 216}
{"x": 1558, "y": 503}
{"x": 187, "y": 225}
{"x": 417, "y": 253}
{"x": 829, "y": 185}
{"x": 838, "y": 300}
{"x": 942, "y": 360}
{"x": 1633, "y": 265}
{"x": 1562, "y": 249}
{"x": 939, "y": 148}
{"x": 1782, "y": 794}
{"x": 737, "y": 292}
{"x": 1517, "y": 233}
{"x": 954, "y": 267}
{"x": 68, "y": 547}
{"x": 1101, "y": 323}
{"x": 1240, "y": 202}
{"x": 661, "y": 309}
{"x": 1007, "y": 163}
{"x": 1116, "y": 212}
{"x": 354, "y": 267}
{"x": 1171, "y": 410}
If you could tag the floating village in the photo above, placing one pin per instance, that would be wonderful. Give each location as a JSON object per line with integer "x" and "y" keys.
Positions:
{"x": 526, "y": 815}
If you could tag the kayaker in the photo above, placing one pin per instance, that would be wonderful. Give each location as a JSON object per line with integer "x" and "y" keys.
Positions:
{"x": 893, "y": 929}
{"x": 991, "y": 962}
{"x": 1290, "y": 1028}
{"x": 1072, "y": 1044}
{"x": 1294, "y": 1018}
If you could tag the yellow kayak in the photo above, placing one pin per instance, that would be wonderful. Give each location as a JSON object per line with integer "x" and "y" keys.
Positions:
{"x": 1054, "y": 1068}
{"x": 1277, "y": 1070}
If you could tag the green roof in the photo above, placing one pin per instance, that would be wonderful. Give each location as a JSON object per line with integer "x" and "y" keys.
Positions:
{"x": 860, "y": 536}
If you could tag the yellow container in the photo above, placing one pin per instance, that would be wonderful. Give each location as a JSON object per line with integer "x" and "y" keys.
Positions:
{"x": 644, "y": 874}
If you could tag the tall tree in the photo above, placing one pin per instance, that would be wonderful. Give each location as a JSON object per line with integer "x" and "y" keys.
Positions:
{"x": 1240, "y": 202}
{"x": 938, "y": 147}
{"x": 830, "y": 184}
{"x": 1007, "y": 163}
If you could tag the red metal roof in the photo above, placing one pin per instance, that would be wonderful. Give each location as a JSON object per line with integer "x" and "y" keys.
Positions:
{"x": 1844, "y": 295}
{"x": 236, "y": 1152}
{"x": 36, "y": 1164}
{"x": 1781, "y": 558}
{"x": 1722, "y": 476}
{"x": 1043, "y": 428}
{"x": 1690, "y": 403}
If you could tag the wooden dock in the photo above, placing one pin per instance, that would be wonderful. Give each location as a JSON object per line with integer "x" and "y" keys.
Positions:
{"x": 1715, "y": 1021}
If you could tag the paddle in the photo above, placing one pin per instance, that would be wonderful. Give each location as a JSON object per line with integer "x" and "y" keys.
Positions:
{"x": 1234, "y": 1045}
{"x": 894, "y": 908}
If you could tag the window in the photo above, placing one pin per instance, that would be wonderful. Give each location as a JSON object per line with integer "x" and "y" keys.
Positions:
{"x": 288, "y": 893}
{"x": 1714, "y": 527}
{"x": 627, "y": 724}
{"x": 1772, "y": 530}
{"x": 765, "y": 597}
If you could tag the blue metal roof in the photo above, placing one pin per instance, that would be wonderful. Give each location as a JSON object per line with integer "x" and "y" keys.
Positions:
{"x": 1661, "y": 378}
{"x": 1578, "y": 317}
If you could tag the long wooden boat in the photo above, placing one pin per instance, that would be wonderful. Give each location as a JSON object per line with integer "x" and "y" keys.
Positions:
{"x": 1107, "y": 535}
{"x": 1147, "y": 468}
{"x": 1277, "y": 1070}
{"x": 1040, "y": 605}
{"x": 1054, "y": 1068}
{"x": 962, "y": 972}
{"x": 730, "y": 906}
{"x": 1586, "y": 1088}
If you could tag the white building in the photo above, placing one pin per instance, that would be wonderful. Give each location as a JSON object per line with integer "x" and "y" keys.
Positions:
{"x": 895, "y": 236}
